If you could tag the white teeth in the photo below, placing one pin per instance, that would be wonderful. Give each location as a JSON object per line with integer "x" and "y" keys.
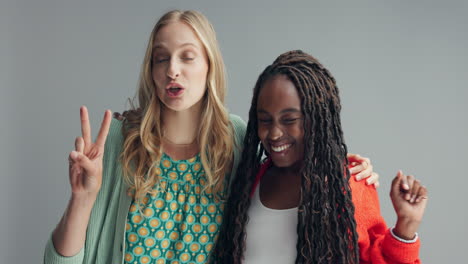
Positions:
{"x": 280, "y": 148}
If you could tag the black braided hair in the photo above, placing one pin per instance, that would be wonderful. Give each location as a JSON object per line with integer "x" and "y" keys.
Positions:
{"x": 326, "y": 229}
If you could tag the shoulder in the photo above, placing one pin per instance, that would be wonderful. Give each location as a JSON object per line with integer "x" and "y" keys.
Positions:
{"x": 115, "y": 130}
{"x": 361, "y": 192}
{"x": 239, "y": 127}
{"x": 237, "y": 122}
{"x": 112, "y": 151}
{"x": 115, "y": 138}
{"x": 365, "y": 199}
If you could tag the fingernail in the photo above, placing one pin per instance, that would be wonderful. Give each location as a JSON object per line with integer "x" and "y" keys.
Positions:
{"x": 413, "y": 198}
{"x": 405, "y": 186}
{"x": 74, "y": 154}
{"x": 368, "y": 181}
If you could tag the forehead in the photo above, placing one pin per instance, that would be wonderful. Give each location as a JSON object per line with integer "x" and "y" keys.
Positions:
{"x": 278, "y": 93}
{"x": 176, "y": 35}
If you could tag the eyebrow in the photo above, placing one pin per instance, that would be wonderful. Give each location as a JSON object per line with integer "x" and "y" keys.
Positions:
{"x": 287, "y": 110}
{"x": 162, "y": 46}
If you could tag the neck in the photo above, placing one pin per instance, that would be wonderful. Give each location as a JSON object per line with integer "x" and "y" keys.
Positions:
{"x": 181, "y": 127}
{"x": 291, "y": 171}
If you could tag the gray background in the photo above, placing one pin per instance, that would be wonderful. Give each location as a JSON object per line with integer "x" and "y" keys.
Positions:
{"x": 401, "y": 67}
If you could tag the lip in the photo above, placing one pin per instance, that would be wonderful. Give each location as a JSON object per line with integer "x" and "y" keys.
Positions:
{"x": 176, "y": 93}
{"x": 174, "y": 84}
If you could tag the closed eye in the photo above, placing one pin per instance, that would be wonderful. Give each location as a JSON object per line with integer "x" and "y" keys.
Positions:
{"x": 160, "y": 60}
{"x": 264, "y": 121}
{"x": 290, "y": 121}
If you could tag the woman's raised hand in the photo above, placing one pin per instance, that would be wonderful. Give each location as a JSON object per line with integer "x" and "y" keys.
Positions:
{"x": 409, "y": 198}
{"x": 85, "y": 162}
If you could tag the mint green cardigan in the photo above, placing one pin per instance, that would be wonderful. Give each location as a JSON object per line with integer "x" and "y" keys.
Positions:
{"x": 105, "y": 236}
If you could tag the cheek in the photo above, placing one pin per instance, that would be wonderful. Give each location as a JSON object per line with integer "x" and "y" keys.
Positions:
{"x": 198, "y": 80}
{"x": 298, "y": 133}
{"x": 262, "y": 133}
{"x": 157, "y": 75}
{"x": 199, "y": 72}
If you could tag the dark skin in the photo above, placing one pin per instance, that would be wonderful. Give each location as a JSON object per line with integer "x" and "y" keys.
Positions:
{"x": 278, "y": 190}
{"x": 280, "y": 126}
{"x": 281, "y": 131}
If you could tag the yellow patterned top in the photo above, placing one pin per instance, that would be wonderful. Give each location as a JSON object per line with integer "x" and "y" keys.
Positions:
{"x": 179, "y": 222}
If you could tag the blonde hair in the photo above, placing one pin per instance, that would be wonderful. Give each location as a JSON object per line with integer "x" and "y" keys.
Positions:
{"x": 142, "y": 148}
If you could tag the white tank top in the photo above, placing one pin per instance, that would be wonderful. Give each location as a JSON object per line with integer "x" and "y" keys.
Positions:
{"x": 271, "y": 234}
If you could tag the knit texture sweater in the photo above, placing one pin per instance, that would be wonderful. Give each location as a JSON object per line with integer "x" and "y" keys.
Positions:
{"x": 376, "y": 243}
{"x": 105, "y": 235}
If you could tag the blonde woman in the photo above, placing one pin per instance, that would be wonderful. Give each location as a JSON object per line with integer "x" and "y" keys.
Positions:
{"x": 151, "y": 188}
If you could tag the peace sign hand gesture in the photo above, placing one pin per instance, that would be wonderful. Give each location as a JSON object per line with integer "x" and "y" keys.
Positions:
{"x": 85, "y": 162}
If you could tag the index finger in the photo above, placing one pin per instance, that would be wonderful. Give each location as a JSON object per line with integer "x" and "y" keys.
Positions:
{"x": 104, "y": 130}
{"x": 85, "y": 126}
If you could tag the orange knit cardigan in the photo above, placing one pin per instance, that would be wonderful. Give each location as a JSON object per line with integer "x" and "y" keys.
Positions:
{"x": 376, "y": 243}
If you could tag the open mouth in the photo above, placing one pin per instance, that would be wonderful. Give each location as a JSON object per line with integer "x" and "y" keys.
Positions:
{"x": 174, "y": 91}
{"x": 280, "y": 148}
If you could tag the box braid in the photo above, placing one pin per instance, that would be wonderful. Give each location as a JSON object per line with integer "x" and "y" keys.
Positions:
{"x": 326, "y": 227}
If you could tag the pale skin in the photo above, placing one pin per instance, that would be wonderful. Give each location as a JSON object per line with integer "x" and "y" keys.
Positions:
{"x": 85, "y": 173}
{"x": 181, "y": 117}
{"x": 362, "y": 168}
{"x": 180, "y": 58}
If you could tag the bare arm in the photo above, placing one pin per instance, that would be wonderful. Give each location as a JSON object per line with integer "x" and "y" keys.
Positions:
{"x": 85, "y": 172}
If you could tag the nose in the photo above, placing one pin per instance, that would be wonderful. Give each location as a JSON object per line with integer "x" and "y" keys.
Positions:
{"x": 275, "y": 132}
{"x": 173, "y": 70}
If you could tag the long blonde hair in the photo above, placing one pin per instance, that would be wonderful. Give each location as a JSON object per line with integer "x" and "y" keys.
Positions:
{"x": 142, "y": 148}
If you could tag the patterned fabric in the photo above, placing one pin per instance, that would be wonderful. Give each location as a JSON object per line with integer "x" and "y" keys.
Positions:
{"x": 105, "y": 235}
{"x": 179, "y": 222}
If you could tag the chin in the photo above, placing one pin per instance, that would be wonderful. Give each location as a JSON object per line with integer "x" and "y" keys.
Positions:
{"x": 180, "y": 104}
{"x": 282, "y": 163}
{"x": 176, "y": 108}
{"x": 175, "y": 105}
{"x": 286, "y": 162}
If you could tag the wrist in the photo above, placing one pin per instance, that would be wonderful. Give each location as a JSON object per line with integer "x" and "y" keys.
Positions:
{"x": 407, "y": 241}
{"x": 82, "y": 200}
{"x": 406, "y": 228}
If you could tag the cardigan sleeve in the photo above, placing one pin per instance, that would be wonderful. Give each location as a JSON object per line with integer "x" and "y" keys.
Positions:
{"x": 376, "y": 243}
{"x": 239, "y": 127}
{"x": 111, "y": 151}
{"x": 51, "y": 256}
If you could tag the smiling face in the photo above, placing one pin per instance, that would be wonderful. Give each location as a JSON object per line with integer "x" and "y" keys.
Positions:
{"x": 179, "y": 66}
{"x": 280, "y": 122}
